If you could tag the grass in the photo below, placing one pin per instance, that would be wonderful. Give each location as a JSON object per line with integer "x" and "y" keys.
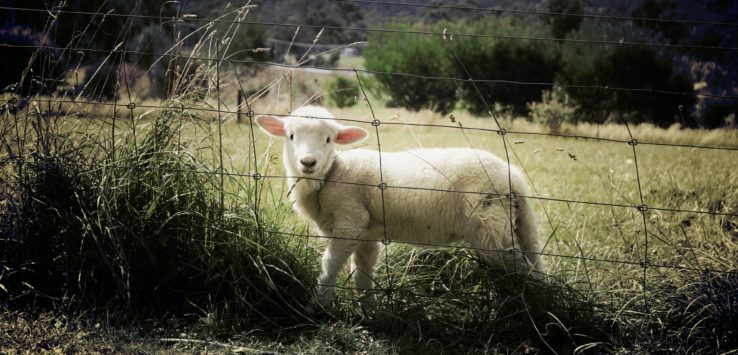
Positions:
{"x": 110, "y": 226}
{"x": 590, "y": 304}
{"x": 443, "y": 299}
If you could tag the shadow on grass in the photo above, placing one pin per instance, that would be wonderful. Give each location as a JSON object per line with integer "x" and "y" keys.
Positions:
{"x": 449, "y": 302}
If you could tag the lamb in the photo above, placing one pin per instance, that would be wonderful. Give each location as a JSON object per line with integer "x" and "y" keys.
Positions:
{"x": 422, "y": 196}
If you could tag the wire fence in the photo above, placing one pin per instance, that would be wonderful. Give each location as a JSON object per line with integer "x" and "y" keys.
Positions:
{"x": 19, "y": 106}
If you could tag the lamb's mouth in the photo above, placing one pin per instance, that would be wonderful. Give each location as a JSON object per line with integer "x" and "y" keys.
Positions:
{"x": 308, "y": 170}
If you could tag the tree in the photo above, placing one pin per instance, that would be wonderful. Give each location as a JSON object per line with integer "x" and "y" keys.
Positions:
{"x": 507, "y": 62}
{"x": 660, "y": 9}
{"x": 562, "y": 23}
{"x": 648, "y": 88}
{"x": 418, "y": 56}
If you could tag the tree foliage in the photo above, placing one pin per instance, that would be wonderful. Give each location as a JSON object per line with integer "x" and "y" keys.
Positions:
{"x": 416, "y": 56}
{"x": 514, "y": 72}
{"x": 507, "y": 63}
{"x": 653, "y": 90}
{"x": 661, "y": 9}
{"x": 494, "y": 62}
{"x": 342, "y": 92}
{"x": 562, "y": 23}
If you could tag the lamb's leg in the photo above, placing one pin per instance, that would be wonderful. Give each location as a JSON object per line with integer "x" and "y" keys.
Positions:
{"x": 491, "y": 234}
{"x": 363, "y": 261}
{"x": 334, "y": 257}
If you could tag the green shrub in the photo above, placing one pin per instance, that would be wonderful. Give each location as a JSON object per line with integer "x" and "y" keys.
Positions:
{"x": 461, "y": 57}
{"x": 144, "y": 231}
{"x": 649, "y": 73}
{"x": 341, "y": 91}
{"x": 562, "y": 24}
{"x": 643, "y": 68}
{"x": 325, "y": 60}
{"x": 554, "y": 109}
{"x": 506, "y": 62}
{"x": 414, "y": 55}
{"x": 719, "y": 114}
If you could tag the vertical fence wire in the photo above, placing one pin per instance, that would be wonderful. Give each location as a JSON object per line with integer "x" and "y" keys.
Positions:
{"x": 130, "y": 106}
{"x": 643, "y": 209}
{"x": 21, "y": 131}
{"x": 382, "y": 187}
{"x": 255, "y": 175}
{"x": 501, "y": 132}
{"x": 220, "y": 128}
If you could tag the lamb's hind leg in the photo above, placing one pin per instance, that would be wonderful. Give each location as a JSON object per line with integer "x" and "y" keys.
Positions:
{"x": 491, "y": 235}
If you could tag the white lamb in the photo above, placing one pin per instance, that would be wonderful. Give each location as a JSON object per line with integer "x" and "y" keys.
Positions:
{"x": 429, "y": 197}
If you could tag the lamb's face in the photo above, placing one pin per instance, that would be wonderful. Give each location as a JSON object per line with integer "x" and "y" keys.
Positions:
{"x": 310, "y": 145}
{"x": 310, "y": 135}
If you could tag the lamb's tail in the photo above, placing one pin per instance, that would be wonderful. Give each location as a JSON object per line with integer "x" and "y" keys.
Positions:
{"x": 526, "y": 229}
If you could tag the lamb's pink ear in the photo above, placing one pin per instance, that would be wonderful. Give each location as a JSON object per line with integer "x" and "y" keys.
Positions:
{"x": 350, "y": 134}
{"x": 272, "y": 125}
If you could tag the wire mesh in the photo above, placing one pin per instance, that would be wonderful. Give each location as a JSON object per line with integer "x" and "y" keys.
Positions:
{"x": 259, "y": 175}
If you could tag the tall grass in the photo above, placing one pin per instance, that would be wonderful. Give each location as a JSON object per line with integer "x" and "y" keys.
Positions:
{"x": 144, "y": 223}
{"x": 143, "y": 230}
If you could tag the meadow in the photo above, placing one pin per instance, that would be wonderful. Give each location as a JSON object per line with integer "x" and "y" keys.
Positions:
{"x": 617, "y": 281}
{"x": 163, "y": 225}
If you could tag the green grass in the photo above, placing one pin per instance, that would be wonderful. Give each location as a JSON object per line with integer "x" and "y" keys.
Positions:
{"x": 106, "y": 231}
{"x": 355, "y": 62}
{"x": 597, "y": 248}
{"x": 442, "y": 300}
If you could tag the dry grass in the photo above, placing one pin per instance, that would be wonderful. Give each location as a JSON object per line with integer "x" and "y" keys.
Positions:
{"x": 599, "y": 298}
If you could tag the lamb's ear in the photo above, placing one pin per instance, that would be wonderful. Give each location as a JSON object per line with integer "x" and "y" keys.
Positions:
{"x": 272, "y": 125}
{"x": 350, "y": 134}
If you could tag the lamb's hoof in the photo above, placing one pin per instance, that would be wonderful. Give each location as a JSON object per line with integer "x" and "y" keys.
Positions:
{"x": 311, "y": 310}
{"x": 316, "y": 307}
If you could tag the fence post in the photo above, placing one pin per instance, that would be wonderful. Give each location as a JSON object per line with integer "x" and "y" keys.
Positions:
{"x": 239, "y": 101}
{"x": 220, "y": 124}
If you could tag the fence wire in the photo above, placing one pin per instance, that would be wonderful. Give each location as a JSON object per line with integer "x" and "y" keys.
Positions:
{"x": 377, "y": 30}
{"x": 20, "y": 107}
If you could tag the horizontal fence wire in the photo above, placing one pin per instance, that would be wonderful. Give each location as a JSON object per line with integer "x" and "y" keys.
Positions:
{"x": 259, "y": 177}
{"x": 379, "y": 185}
{"x": 425, "y": 245}
{"x": 12, "y": 101}
{"x": 376, "y": 30}
{"x": 500, "y": 10}
{"x": 383, "y": 73}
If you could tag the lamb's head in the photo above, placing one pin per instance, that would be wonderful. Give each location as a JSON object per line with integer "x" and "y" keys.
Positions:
{"x": 310, "y": 134}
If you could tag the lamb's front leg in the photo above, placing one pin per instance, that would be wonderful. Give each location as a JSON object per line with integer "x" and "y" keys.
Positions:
{"x": 334, "y": 257}
{"x": 364, "y": 259}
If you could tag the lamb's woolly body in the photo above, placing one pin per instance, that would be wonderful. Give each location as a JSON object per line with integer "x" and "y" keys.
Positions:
{"x": 432, "y": 197}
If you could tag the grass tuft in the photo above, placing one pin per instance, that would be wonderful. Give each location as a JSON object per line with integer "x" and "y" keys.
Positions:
{"x": 143, "y": 231}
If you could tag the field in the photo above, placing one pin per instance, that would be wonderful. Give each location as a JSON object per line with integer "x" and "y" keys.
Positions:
{"x": 136, "y": 224}
{"x": 600, "y": 295}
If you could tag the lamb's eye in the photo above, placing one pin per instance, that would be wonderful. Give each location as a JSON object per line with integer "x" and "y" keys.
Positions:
{"x": 292, "y": 137}
{"x": 328, "y": 140}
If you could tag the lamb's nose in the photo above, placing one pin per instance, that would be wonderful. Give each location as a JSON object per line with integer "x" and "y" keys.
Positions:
{"x": 308, "y": 163}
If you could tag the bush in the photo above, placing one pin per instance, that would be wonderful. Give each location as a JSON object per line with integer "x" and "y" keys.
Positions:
{"x": 554, "y": 109}
{"x": 650, "y": 74}
{"x": 142, "y": 231}
{"x": 415, "y": 55}
{"x": 499, "y": 61}
{"x": 325, "y": 60}
{"x": 505, "y": 62}
{"x": 719, "y": 114}
{"x": 342, "y": 92}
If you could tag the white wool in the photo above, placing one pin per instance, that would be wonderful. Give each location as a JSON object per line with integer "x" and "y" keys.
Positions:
{"x": 431, "y": 197}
